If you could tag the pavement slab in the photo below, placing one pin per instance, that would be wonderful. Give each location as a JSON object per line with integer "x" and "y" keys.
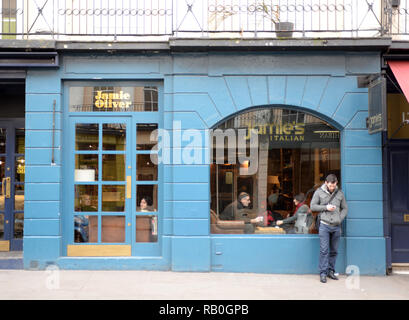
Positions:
{"x": 158, "y": 285}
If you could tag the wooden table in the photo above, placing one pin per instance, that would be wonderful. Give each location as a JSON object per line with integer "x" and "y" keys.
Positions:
{"x": 269, "y": 230}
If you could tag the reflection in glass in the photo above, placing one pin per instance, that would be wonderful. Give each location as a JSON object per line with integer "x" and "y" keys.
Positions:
{"x": 151, "y": 98}
{"x": 20, "y": 169}
{"x": 113, "y": 167}
{"x": 18, "y": 225}
{"x": 1, "y": 226}
{"x": 2, "y": 167}
{"x": 113, "y": 229}
{"x": 114, "y": 136}
{"x": 295, "y": 152}
{"x": 146, "y": 169}
{"x": 86, "y": 198}
{"x": 146, "y": 228}
{"x": 147, "y": 198}
{"x": 143, "y": 135}
{"x": 2, "y": 175}
{"x": 2, "y": 172}
{"x": 2, "y": 140}
{"x": 86, "y": 136}
{"x": 82, "y": 228}
{"x": 113, "y": 198}
{"x": 86, "y": 167}
{"x": 20, "y": 141}
{"x": 19, "y": 197}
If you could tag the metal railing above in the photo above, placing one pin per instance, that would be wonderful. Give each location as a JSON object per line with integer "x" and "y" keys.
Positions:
{"x": 128, "y": 20}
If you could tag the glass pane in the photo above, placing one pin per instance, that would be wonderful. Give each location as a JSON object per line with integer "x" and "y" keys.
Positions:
{"x": 20, "y": 169}
{"x": 113, "y": 229}
{"x": 146, "y": 228}
{"x": 114, "y": 136}
{"x": 113, "y": 99}
{"x": 20, "y": 141}
{"x": 151, "y": 98}
{"x": 147, "y": 198}
{"x": 86, "y": 136}
{"x": 86, "y": 198}
{"x": 113, "y": 167}
{"x": 1, "y": 226}
{"x": 19, "y": 197}
{"x": 2, "y": 140}
{"x": 2, "y": 167}
{"x": 113, "y": 198}
{"x": 145, "y": 139}
{"x": 86, "y": 167}
{"x": 146, "y": 169}
{"x": 85, "y": 229}
{"x": 2, "y": 175}
{"x": 18, "y": 225}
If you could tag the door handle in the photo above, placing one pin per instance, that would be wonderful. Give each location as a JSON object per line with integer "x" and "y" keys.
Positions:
{"x": 8, "y": 187}
{"x": 5, "y": 185}
{"x": 128, "y": 187}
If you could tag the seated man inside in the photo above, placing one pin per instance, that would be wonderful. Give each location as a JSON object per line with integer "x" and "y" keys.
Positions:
{"x": 239, "y": 210}
{"x": 86, "y": 203}
{"x": 302, "y": 217}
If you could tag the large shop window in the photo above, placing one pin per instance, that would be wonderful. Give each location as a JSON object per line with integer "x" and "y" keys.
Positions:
{"x": 272, "y": 155}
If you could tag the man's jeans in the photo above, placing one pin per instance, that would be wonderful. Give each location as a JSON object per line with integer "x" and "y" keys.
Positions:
{"x": 329, "y": 240}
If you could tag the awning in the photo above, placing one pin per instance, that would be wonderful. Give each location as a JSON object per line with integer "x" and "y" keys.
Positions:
{"x": 401, "y": 71}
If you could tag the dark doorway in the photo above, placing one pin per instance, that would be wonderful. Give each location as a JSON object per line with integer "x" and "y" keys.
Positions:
{"x": 12, "y": 164}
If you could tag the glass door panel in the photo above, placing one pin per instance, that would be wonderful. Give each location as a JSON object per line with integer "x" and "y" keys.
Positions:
{"x": 12, "y": 178}
{"x": 146, "y": 217}
{"x": 100, "y": 170}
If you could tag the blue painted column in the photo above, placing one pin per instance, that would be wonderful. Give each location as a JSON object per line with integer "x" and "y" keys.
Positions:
{"x": 187, "y": 185}
{"x": 42, "y": 223}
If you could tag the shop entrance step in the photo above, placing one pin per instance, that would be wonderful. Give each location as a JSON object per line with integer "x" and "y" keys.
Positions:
{"x": 11, "y": 260}
{"x": 400, "y": 268}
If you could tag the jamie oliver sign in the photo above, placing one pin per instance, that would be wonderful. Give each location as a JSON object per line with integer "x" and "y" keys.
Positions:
{"x": 376, "y": 120}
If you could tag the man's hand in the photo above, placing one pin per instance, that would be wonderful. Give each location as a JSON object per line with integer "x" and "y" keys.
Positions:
{"x": 330, "y": 207}
{"x": 257, "y": 220}
{"x": 279, "y": 222}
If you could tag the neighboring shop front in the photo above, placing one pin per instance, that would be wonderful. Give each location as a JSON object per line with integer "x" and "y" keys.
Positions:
{"x": 396, "y": 160}
{"x": 106, "y": 190}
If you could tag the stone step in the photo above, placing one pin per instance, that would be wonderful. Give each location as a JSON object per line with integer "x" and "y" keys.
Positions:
{"x": 11, "y": 260}
{"x": 400, "y": 268}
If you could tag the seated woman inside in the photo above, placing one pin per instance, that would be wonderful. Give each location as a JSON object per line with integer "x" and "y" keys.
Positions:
{"x": 146, "y": 204}
{"x": 300, "y": 222}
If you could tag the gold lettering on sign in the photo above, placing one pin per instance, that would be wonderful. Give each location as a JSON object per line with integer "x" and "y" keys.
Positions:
{"x": 406, "y": 217}
{"x": 112, "y": 100}
{"x": 279, "y": 131}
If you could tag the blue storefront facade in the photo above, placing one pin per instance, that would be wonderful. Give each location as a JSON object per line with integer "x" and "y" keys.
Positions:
{"x": 195, "y": 91}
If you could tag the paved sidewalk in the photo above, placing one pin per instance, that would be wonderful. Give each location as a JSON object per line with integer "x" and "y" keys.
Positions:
{"x": 153, "y": 285}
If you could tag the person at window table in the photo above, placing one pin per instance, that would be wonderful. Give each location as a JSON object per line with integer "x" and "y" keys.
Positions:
{"x": 302, "y": 217}
{"x": 85, "y": 203}
{"x": 146, "y": 204}
{"x": 238, "y": 210}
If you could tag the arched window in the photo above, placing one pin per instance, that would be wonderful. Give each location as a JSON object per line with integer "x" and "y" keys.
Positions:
{"x": 263, "y": 159}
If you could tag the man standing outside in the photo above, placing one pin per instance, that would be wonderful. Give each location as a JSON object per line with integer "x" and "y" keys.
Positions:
{"x": 330, "y": 202}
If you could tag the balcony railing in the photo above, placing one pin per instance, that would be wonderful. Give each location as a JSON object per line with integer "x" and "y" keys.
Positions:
{"x": 130, "y": 20}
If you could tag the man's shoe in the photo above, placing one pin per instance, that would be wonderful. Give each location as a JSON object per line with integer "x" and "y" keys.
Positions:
{"x": 323, "y": 278}
{"x": 332, "y": 276}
